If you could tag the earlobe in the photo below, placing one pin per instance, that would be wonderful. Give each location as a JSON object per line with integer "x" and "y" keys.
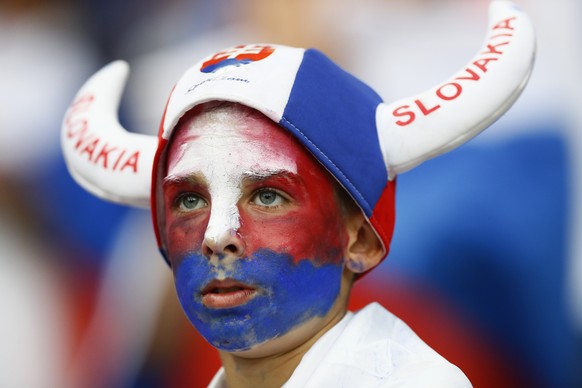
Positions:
{"x": 364, "y": 250}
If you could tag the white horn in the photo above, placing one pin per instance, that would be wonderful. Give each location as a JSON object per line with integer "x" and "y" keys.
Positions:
{"x": 421, "y": 127}
{"x": 101, "y": 155}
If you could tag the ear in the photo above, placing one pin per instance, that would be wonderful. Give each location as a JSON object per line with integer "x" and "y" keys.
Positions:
{"x": 364, "y": 250}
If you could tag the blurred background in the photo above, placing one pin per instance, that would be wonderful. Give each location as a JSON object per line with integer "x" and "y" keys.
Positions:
{"x": 486, "y": 263}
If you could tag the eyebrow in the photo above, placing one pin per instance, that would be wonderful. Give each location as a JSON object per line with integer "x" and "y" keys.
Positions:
{"x": 279, "y": 175}
{"x": 176, "y": 180}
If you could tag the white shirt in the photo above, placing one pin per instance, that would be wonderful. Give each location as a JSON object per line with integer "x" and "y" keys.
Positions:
{"x": 370, "y": 348}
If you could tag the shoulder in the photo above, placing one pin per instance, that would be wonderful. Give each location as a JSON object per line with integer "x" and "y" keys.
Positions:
{"x": 428, "y": 374}
{"x": 409, "y": 355}
{"x": 410, "y": 360}
{"x": 377, "y": 349}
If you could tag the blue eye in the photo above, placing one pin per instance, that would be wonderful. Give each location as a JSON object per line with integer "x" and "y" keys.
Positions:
{"x": 189, "y": 201}
{"x": 268, "y": 198}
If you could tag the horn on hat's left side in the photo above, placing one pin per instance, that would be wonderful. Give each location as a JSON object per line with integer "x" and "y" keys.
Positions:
{"x": 101, "y": 155}
{"x": 431, "y": 123}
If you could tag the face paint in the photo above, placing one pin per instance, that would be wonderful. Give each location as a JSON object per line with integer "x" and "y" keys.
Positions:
{"x": 253, "y": 230}
{"x": 224, "y": 157}
{"x": 285, "y": 295}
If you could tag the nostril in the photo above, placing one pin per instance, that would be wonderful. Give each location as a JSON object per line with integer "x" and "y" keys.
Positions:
{"x": 206, "y": 250}
{"x": 231, "y": 248}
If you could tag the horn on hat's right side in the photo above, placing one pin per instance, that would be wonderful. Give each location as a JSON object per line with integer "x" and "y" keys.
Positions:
{"x": 102, "y": 156}
{"x": 421, "y": 127}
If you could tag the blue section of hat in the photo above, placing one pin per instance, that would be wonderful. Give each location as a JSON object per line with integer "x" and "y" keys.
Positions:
{"x": 334, "y": 115}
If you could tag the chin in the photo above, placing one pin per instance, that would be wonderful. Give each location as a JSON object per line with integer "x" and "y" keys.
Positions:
{"x": 294, "y": 338}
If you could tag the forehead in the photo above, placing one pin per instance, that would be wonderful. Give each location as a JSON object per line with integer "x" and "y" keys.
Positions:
{"x": 239, "y": 136}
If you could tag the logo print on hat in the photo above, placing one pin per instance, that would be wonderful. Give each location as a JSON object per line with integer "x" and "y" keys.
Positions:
{"x": 234, "y": 57}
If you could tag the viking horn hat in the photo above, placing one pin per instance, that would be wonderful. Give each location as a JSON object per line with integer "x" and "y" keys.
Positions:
{"x": 362, "y": 141}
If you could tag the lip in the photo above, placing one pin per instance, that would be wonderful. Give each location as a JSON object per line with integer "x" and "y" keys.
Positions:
{"x": 227, "y": 293}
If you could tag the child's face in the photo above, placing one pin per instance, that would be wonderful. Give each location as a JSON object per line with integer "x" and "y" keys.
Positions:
{"x": 253, "y": 230}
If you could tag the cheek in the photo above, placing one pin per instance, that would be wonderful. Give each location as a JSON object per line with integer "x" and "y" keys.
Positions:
{"x": 184, "y": 236}
{"x": 315, "y": 232}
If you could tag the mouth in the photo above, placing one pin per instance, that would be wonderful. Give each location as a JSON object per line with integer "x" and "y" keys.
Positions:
{"x": 228, "y": 293}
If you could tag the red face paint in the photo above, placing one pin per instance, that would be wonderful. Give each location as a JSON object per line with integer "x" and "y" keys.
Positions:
{"x": 253, "y": 183}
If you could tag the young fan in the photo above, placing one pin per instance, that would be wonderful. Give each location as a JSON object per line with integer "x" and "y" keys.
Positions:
{"x": 272, "y": 187}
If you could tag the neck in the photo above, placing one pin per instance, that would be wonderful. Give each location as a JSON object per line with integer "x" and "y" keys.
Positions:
{"x": 272, "y": 370}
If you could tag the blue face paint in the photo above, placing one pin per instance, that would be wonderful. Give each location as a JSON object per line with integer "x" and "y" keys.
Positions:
{"x": 288, "y": 295}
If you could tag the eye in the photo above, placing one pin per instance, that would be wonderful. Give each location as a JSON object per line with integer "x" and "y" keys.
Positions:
{"x": 268, "y": 198}
{"x": 189, "y": 201}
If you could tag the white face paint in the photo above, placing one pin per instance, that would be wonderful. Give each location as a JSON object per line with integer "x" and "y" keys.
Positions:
{"x": 224, "y": 149}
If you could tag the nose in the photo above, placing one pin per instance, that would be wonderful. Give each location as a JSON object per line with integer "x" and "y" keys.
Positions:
{"x": 228, "y": 243}
{"x": 221, "y": 238}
